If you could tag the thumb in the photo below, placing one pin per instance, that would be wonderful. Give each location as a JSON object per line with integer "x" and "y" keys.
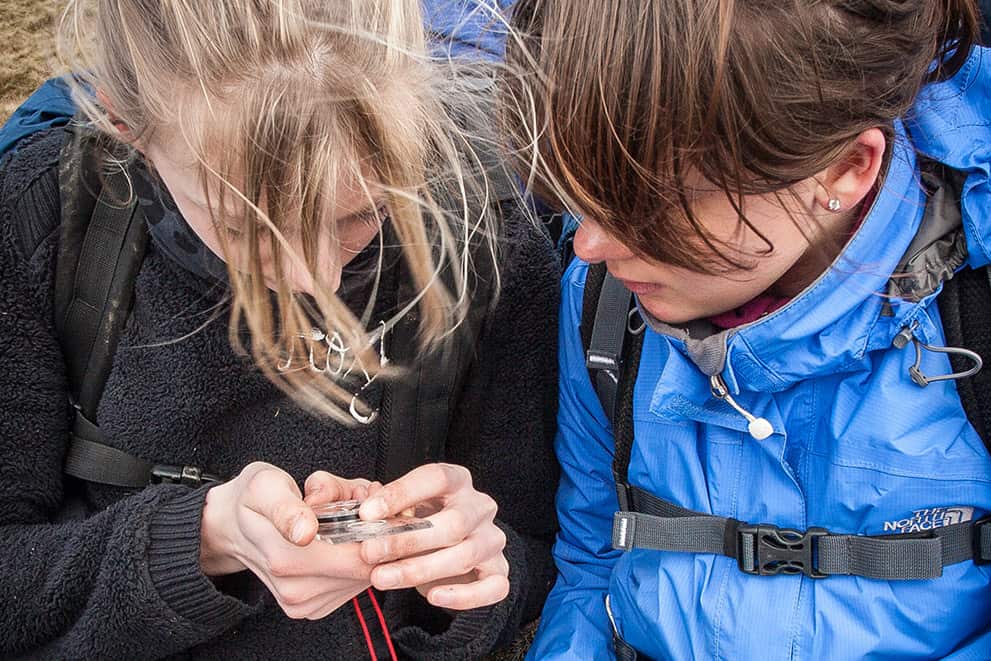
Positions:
{"x": 274, "y": 495}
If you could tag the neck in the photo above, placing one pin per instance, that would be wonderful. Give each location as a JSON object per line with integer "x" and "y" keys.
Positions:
{"x": 834, "y": 232}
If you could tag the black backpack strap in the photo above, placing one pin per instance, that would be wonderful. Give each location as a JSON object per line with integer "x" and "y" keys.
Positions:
{"x": 99, "y": 257}
{"x": 417, "y": 408}
{"x": 613, "y": 361}
{"x": 965, "y": 309}
{"x": 604, "y": 330}
{"x": 102, "y": 245}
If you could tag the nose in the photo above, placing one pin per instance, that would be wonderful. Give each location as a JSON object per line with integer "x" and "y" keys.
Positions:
{"x": 593, "y": 244}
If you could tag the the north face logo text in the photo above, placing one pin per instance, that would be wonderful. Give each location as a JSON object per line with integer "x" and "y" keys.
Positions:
{"x": 930, "y": 519}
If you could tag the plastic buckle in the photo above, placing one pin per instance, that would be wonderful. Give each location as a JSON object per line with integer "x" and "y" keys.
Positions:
{"x": 190, "y": 476}
{"x": 767, "y": 550}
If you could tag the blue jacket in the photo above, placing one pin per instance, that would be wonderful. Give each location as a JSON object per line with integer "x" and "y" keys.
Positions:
{"x": 857, "y": 448}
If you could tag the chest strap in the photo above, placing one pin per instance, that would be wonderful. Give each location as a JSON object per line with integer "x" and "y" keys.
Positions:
{"x": 767, "y": 550}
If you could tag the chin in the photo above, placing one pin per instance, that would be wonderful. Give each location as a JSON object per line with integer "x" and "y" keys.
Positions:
{"x": 672, "y": 314}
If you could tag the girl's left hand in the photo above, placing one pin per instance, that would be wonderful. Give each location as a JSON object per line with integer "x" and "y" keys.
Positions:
{"x": 456, "y": 564}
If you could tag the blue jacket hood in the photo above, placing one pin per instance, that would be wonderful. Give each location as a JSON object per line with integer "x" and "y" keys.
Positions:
{"x": 951, "y": 123}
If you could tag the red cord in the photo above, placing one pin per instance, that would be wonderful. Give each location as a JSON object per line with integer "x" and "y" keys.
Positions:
{"x": 364, "y": 627}
{"x": 385, "y": 629}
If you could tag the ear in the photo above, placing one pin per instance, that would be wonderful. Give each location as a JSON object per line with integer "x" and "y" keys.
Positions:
{"x": 123, "y": 130}
{"x": 844, "y": 184}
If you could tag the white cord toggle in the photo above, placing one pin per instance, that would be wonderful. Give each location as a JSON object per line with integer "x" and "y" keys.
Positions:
{"x": 759, "y": 428}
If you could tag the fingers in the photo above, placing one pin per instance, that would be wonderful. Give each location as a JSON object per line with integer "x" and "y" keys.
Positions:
{"x": 474, "y": 552}
{"x": 420, "y": 484}
{"x": 487, "y": 585}
{"x": 448, "y": 527}
{"x": 322, "y": 487}
{"x": 282, "y": 560}
{"x": 273, "y": 494}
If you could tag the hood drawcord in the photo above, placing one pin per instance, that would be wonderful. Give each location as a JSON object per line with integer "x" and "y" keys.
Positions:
{"x": 907, "y": 334}
{"x": 759, "y": 428}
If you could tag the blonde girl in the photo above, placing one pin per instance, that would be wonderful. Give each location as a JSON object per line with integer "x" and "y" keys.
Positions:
{"x": 305, "y": 185}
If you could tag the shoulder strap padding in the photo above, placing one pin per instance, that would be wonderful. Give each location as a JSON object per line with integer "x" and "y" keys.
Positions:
{"x": 418, "y": 407}
{"x": 101, "y": 249}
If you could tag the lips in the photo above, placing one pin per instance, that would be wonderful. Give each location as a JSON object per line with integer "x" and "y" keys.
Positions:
{"x": 640, "y": 288}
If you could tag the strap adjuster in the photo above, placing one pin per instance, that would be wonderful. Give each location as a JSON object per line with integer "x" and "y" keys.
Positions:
{"x": 190, "y": 476}
{"x": 767, "y": 550}
{"x": 624, "y": 528}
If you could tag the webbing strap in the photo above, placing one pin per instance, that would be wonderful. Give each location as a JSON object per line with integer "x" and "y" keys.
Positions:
{"x": 110, "y": 256}
{"x": 89, "y": 459}
{"x": 766, "y": 550}
{"x": 605, "y": 351}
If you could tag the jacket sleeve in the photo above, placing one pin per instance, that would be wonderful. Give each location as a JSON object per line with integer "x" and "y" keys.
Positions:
{"x": 503, "y": 433}
{"x": 124, "y": 582}
{"x": 574, "y": 623}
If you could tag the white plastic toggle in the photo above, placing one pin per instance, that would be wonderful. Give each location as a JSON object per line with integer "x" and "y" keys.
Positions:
{"x": 760, "y": 429}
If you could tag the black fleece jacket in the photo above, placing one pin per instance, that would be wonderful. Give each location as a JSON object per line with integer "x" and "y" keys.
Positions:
{"x": 124, "y": 582}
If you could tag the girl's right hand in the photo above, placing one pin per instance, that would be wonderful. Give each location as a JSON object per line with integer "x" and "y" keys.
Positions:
{"x": 259, "y": 521}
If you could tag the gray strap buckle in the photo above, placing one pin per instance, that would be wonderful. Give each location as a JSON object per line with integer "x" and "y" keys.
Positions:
{"x": 767, "y": 550}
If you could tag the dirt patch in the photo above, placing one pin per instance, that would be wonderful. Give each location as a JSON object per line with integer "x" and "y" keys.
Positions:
{"x": 27, "y": 49}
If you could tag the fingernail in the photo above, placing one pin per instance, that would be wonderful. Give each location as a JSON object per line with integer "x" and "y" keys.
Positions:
{"x": 299, "y": 530}
{"x": 442, "y": 597}
{"x": 374, "y": 508}
{"x": 388, "y": 577}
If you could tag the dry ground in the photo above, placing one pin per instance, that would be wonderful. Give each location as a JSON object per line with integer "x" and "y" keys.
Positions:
{"x": 26, "y": 49}
{"x": 27, "y": 59}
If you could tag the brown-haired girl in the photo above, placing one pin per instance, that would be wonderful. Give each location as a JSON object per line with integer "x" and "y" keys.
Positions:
{"x": 306, "y": 188}
{"x": 779, "y": 185}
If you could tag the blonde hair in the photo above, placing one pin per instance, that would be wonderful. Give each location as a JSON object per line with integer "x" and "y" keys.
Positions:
{"x": 279, "y": 101}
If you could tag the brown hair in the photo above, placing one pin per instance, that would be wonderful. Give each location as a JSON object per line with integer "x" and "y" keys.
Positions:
{"x": 629, "y": 98}
{"x": 278, "y": 103}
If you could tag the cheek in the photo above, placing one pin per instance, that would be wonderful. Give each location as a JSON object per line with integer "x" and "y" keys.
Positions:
{"x": 352, "y": 240}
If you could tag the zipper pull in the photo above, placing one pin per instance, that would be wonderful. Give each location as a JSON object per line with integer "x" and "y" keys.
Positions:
{"x": 759, "y": 428}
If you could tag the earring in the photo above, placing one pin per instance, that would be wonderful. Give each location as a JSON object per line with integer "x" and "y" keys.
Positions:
{"x": 834, "y": 205}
